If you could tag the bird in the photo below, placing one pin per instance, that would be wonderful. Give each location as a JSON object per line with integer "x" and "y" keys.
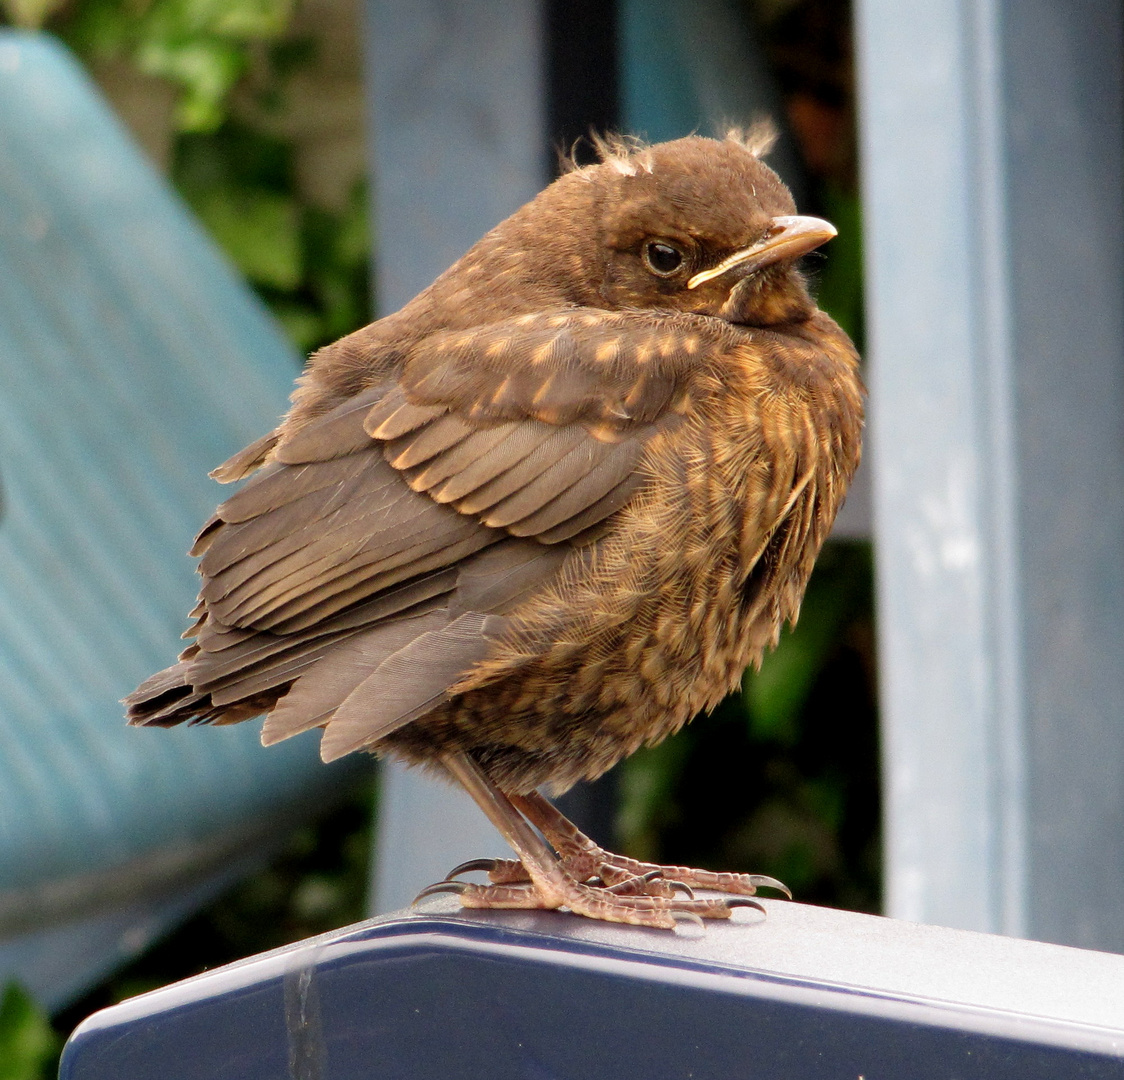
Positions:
{"x": 545, "y": 513}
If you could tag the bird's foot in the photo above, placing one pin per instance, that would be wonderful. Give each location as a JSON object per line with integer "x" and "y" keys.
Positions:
{"x": 584, "y": 859}
{"x": 587, "y": 880}
{"x": 560, "y": 867}
{"x": 626, "y": 874}
{"x": 555, "y": 889}
{"x": 613, "y": 879}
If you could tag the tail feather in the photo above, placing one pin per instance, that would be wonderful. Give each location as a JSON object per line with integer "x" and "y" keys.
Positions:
{"x": 166, "y": 699}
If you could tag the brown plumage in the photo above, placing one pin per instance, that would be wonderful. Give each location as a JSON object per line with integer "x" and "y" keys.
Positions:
{"x": 546, "y": 512}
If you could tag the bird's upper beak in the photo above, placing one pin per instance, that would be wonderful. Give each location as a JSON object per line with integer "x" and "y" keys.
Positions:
{"x": 786, "y": 238}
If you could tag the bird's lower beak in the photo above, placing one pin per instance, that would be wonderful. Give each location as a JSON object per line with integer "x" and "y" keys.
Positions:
{"x": 788, "y": 238}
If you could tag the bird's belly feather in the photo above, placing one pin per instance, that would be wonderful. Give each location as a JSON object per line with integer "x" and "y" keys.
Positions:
{"x": 635, "y": 638}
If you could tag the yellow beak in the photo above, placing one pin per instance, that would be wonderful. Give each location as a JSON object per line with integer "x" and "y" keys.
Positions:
{"x": 787, "y": 238}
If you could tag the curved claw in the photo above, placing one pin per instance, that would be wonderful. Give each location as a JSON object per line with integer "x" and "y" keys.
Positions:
{"x": 744, "y": 901}
{"x": 690, "y": 893}
{"x": 457, "y": 887}
{"x": 688, "y": 917}
{"x": 469, "y": 866}
{"x": 763, "y": 881}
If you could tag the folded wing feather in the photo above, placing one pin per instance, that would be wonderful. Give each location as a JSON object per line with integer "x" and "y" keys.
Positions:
{"x": 367, "y": 567}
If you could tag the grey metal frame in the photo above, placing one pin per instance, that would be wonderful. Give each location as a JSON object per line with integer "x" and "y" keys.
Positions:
{"x": 992, "y": 149}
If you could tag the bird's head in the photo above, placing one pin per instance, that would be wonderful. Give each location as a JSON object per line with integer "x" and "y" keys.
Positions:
{"x": 696, "y": 225}
{"x": 703, "y": 225}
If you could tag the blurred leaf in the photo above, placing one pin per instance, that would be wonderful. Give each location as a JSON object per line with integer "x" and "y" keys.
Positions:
{"x": 201, "y": 46}
{"x": 777, "y": 693}
{"x": 316, "y": 897}
{"x": 310, "y": 265}
{"x": 259, "y": 230}
{"x": 303, "y": 326}
{"x": 825, "y": 798}
{"x": 840, "y": 287}
{"x": 29, "y": 1046}
{"x": 337, "y": 254}
{"x": 205, "y": 68}
{"x": 244, "y": 19}
{"x": 646, "y": 795}
{"x": 29, "y": 14}
{"x": 352, "y": 241}
{"x": 237, "y": 155}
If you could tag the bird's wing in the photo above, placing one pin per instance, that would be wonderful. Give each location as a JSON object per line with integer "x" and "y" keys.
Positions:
{"x": 384, "y": 540}
{"x": 535, "y": 425}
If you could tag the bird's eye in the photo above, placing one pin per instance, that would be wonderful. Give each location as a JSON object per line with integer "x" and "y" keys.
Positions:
{"x": 662, "y": 258}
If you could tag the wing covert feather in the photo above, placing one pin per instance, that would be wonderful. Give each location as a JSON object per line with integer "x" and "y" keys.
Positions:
{"x": 366, "y": 567}
{"x": 532, "y": 421}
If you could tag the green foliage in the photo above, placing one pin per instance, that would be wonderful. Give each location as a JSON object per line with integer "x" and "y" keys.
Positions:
{"x": 839, "y": 287}
{"x": 259, "y": 230}
{"x": 646, "y": 796}
{"x": 29, "y": 14}
{"x": 201, "y": 46}
{"x": 775, "y": 696}
{"x": 29, "y": 1047}
{"x": 310, "y": 265}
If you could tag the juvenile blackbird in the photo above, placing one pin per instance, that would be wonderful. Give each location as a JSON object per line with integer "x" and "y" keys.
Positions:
{"x": 545, "y": 513}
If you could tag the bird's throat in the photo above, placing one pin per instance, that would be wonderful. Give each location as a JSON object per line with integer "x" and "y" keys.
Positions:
{"x": 769, "y": 298}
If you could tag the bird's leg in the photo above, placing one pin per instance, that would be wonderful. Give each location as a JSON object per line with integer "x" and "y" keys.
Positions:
{"x": 584, "y": 859}
{"x": 549, "y": 882}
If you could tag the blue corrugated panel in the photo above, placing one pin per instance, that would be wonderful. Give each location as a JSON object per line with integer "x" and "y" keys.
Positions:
{"x": 132, "y": 361}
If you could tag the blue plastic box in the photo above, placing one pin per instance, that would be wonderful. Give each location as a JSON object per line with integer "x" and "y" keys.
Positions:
{"x": 807, "y": 993}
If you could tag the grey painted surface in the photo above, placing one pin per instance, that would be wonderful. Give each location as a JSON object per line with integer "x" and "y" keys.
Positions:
{"x": 823, "y": 958}
{"x": 805, "y": 993}
{"x": 994, "y": 236}
{"x": 1065, "y": 142}
{"x": 939, "y": 967}
{"x": 457, "y": 130}
{"x": 457, "y": 145}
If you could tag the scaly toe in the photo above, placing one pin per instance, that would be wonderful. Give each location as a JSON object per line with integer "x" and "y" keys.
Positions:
{"x": 650, "y": 884}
